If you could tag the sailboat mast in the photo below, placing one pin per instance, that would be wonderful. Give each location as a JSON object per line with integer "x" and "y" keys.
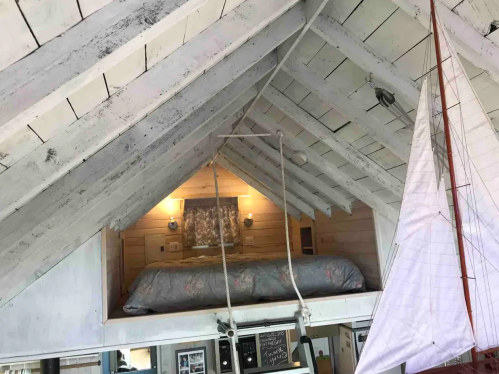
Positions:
{"x": 455, "y": 200}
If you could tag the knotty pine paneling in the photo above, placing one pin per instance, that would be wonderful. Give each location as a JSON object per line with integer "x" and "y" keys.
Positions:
{"x": 352, "y": 237}
{"x": 268, "y": 229}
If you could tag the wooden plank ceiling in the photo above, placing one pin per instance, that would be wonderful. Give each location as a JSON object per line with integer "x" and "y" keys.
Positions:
{"x": 100, "y": 124}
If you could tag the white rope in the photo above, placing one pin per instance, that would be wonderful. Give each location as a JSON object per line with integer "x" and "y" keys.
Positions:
{"x": 305, "y": 312}
{"x": 227, "y": 291}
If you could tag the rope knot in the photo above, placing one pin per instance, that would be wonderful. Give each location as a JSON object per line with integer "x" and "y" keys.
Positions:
{"x": 305, "y": 312}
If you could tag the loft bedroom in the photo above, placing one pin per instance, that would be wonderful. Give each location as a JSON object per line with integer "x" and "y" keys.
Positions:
{"x": 111, "y": 111}
{"x": 162, "y": 239}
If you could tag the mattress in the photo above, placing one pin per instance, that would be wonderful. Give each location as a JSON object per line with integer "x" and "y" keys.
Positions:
{"x": 173, "y": 286}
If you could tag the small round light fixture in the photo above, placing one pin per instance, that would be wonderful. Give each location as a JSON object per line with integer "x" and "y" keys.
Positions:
{"x": 248, "y": 221}
{"x": 299, "y": 158}
{"x": 172, "y": 224}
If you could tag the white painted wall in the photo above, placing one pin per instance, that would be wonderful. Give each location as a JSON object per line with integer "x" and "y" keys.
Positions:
{"x": 61, "y": 309}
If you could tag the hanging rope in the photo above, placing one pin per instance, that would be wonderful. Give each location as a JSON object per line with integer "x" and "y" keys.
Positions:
{"x": 224, "y": 261}
{"x": 305, "y": 312}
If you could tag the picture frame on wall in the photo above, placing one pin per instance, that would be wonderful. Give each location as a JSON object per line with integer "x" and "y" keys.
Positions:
{"x": 191, "y": 361}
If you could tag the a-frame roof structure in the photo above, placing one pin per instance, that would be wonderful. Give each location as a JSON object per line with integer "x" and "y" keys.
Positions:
{"x": 106, "y": 107}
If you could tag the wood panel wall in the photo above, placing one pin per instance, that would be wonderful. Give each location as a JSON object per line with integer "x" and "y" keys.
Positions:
{"x": 268, "y": 230}
{"x": 352, "y": 237}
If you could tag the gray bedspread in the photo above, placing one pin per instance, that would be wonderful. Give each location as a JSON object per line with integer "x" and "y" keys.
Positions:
{"x": 179, "y": 288}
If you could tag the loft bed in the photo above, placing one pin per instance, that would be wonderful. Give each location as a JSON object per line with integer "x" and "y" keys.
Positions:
{"x": 180, "y": 285}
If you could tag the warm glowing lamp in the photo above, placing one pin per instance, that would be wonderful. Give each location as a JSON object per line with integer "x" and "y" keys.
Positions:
{"x": 172, "y": 224}
{"x": 248, "y": 221}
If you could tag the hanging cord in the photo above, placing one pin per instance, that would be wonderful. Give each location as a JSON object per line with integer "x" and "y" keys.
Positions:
{"x": 220, "y": 226}
{"x": 305, "y": 312}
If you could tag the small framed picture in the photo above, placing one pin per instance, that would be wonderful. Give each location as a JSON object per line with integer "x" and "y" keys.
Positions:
{"x": 191, "y": 361}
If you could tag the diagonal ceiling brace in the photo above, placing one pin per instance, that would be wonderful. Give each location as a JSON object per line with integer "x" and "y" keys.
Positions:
{"x": 260, "y": 161}
{"x": 297, "y": 171}
{"x": 326, "y": 167}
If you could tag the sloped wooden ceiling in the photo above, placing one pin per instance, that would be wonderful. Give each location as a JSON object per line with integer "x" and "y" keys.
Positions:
{"x": 100, "y": 124}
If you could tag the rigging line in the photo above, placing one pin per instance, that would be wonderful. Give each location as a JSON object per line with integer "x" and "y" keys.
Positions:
{"x": 464, "y": 364}
{"x": 477, "y": 224}
{"x": 222, "y": 245}
{"x": 472, "y": 222}
{"x": 380, "y": 295}
{"x": 476, "y": 212}
{"x": 478, "y": 299}
{"x": 474, "y": 202}
{"x": 304, "y": 309}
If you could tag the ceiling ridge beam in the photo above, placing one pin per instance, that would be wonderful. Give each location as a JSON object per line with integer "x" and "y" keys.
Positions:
{"x": 344, "y": 105}
{"x": 269, "y": 182}
{"x": 53, "y": 224}
{"x": 249, "y": 180}
{"x": 335, "y": 197}
{"x": 331, "y": 171}
{"x": 295, "y": 187}
{"x": 335, "y": 142}
{"x": 38, "y": 170}
{"x": 475, "y": 47}
{"x": 366, "y": 57}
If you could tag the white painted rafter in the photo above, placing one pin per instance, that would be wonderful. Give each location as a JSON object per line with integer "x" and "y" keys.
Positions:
{"x": 312, "y": 10}
{"x": 326, "y": 167}
{"x": 344, "y": 105}
{"x": 39, "y": 169}
{"x": 335, "y": 142}
{"x": 265, "y": 191}
{"x": 275, "y": 173}
{"x": 276, "y": 187}
{"x": 67, "y": 63}
{"x": 476, "y": 48}
{"x": 334, "y": 196}
{"x": 111, "y": 182}
{"x": 367, "y": 58}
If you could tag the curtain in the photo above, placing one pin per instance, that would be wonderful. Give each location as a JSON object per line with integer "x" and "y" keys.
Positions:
{"x": 200, "y": 225}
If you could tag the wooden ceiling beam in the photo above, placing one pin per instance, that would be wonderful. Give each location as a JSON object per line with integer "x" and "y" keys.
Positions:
{"x": 49, "y": 75}
{"x": 276, "y": 187}
{"x": 344, "y": 105}
{"x": 329, "y": 170}
{"x": 50, "y": 161}
{"x": 363, "y": 55}
{"x": 145, "y": 202}
{"x": 475, "y": 47}
{"x": 335, "y": 142}
{"x": 109, "y": 183}
{"x": 261, "y": 162}
{"x": 334, "y": 196}
{"x": 265, "y": 191}
{"x": 312, "y": 10}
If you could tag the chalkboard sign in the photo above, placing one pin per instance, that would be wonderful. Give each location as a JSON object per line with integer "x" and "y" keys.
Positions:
{"x": 273, "y": 348}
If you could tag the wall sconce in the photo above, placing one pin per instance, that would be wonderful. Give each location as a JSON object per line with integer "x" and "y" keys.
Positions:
{"x": 172, "y": 224}
{"x": 248, "y": 221}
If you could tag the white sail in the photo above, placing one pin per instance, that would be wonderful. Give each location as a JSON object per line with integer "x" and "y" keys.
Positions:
{"x": 421, "y": 318}
{"x": 476, "y": 158}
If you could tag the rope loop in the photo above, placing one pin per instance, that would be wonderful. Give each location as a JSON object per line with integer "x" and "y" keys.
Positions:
{"x": 305, "y": 312}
